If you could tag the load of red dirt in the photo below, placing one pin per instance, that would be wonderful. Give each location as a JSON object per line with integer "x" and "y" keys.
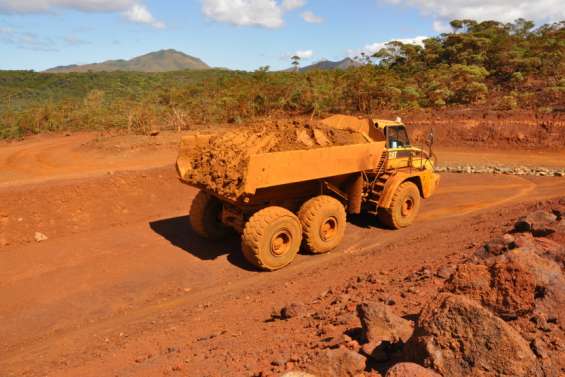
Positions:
{"x": 220, "y": 165}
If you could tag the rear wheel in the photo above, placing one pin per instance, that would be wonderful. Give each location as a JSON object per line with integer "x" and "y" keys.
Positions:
{"x": 323, "y": 222}
{"x": 271, "y": 238}
{"x": 205, "y": 217}
{"x": 404, "y": 207}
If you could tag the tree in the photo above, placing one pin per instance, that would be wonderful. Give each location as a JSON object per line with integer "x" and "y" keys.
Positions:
{"x": 295, "y": 61}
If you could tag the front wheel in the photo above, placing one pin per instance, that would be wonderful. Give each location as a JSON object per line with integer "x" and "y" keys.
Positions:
{"x": 404, "y": 207}
{"x": 271, "y": 238}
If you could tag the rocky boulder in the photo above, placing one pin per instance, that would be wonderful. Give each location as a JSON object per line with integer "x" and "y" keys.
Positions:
{"x": 540, "y": 223}
{"x": 548, "y": 279}
{"x": 292, "y": 310}
{"x": 505, "y": 288}
{"x": 410, "y": 370}
{"x": 549, "y": 249}
{"x": 458, "y": 337}
{"x": 339, "y": 362}
{"x": 380, "y": 324}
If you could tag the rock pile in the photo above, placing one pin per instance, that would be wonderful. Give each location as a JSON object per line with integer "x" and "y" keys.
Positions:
{"x": 493, "y": 169}
{"x": 500, "y": 312}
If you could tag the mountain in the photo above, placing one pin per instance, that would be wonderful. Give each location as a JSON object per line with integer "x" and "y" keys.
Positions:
{"x": 327, "y": 65}
{"x": 158, "y": 61}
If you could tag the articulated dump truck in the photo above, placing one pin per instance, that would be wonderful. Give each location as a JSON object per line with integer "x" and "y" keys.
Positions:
{"x": 300, "y": 199}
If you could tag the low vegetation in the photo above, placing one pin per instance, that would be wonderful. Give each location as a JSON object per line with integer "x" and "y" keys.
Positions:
{"x": 488, "y": 64}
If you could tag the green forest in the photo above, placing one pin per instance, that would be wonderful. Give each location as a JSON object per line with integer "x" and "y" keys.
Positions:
{"x": 487, "y": 65}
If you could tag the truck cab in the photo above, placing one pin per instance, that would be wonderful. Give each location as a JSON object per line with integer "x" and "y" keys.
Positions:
{"x": 401, "y": 154}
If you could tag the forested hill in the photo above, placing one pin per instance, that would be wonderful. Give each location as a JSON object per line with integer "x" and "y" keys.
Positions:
{"x": 158, "y": 61}
{"x": 464, "y": 65}
{"x": 486, "y": 65}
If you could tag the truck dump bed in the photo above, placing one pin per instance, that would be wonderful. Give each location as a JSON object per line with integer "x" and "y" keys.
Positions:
{"x": 263, "y": 170}
{"x": 280, "y": 168}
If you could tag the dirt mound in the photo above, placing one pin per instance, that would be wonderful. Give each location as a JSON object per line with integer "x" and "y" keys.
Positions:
{"x": 458, "y": 337}
{"x": 506, "y": 288}
{"x": 220, "y": 165}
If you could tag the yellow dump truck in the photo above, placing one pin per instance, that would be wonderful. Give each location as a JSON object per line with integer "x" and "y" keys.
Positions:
{"x": 300, "y": 198}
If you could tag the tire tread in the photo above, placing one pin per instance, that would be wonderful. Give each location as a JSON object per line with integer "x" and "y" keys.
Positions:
{"x": 387, "y": 216}
{"x": 254, "y": 231}
{"x": 308, "y": 212}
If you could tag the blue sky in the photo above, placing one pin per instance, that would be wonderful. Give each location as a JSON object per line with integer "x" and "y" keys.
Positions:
{"x": 237, "y": 34}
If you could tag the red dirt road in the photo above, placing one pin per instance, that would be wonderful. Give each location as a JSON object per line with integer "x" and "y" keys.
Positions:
{"x": 41, "y": 158}
{"x": 46, "y": 157}
{"x": 122, "y": 287}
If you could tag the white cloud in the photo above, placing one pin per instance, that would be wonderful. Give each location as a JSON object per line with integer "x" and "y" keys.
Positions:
{"x": 370, "y": 49}
{"x": 310, "y": 17}
{"x": 499, "y": 10}
{"x": 304, "y": 54}
{"x": 133, "y": 10}
{"x": 25, "y": 6}
{"x": 292, "y": 4}
{"x": 264, "y": 13}
{"x": 139, "y": 13}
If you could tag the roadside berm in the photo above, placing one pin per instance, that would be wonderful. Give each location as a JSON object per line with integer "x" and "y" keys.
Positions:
{"x": 498, "y": 312}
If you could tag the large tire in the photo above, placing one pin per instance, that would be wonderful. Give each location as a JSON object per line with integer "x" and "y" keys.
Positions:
{"x": 205, "y": 213}
{"x": 323, "y": 222}
{"x": 271, "y": 238}
{"x": 404, "y": 207}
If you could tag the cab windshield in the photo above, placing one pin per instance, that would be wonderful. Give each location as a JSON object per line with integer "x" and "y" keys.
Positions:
{"x": 397, "y": 137}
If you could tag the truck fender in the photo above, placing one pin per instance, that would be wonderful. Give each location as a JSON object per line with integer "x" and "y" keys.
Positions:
{"x": 391, "y": 187}
{"x": 426, "y": 182}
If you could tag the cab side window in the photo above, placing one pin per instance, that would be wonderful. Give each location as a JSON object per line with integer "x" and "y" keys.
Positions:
{"x": 397, "y": 137}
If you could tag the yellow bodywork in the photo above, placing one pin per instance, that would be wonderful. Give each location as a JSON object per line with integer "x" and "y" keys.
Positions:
{"x": 282, "y": 168}
{"x": 277, "y": 169}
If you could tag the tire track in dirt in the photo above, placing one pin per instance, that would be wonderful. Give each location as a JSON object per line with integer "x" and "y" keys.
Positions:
{"x": 523, "y": 188}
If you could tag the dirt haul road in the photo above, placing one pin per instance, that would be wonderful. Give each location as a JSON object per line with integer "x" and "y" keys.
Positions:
{"x": 122, "y": 287}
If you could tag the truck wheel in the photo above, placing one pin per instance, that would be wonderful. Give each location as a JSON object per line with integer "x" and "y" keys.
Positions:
{"x": 205, "y": 213}
{"x": 403, "y": 208}
{"x": 323, "y": 222}
{"x": 271, "y": 238}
